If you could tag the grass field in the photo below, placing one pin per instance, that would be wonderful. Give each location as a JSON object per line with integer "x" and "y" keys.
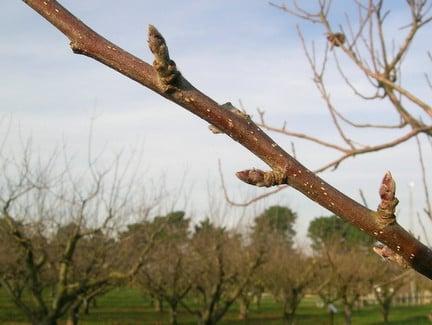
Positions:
{"x": 125, "y": 306}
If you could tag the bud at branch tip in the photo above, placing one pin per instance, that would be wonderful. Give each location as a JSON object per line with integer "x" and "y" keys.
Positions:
{"x": 260, "y": 178}
{"x": 388, "y": 187}
{"x": 387, "y": 206}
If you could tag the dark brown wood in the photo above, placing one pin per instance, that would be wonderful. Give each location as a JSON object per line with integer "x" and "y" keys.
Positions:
{"x": 84, "y": 40}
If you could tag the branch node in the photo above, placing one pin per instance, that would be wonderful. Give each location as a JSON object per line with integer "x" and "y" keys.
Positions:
{"x": 166, "y": 68}
{"x": 230, "y": 107}
{"x": 387, "y": 206}
{"x": 262, "y": 179}
{"x": 76, "y": 47}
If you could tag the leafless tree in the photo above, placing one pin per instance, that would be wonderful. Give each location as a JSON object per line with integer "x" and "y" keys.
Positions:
{"x": 167, "y": 271}
{"x": 288, "y": 275}
{"x": 362, "y": 39}
{"x": 347, "y": 273}
{"x": 251, "y": 252}
{"x": 253, "y": 291}
{"x": 222, "y": 268}
{"x": 165, "y": 79}
{"x": 386, "y": 291}
{"x": 59, "y": 235}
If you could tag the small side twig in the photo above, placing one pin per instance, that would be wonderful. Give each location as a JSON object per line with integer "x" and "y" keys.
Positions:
{"x": 262, "y": 179}
{"x": 247, "y": 202}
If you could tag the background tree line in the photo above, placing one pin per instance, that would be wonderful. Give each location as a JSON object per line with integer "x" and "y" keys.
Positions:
{"x": 63, "y": 246}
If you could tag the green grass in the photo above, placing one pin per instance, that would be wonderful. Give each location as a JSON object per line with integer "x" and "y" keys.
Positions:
{"x": 127, "y": 306}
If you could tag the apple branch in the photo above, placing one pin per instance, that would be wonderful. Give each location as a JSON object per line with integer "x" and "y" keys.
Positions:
{"x": 164, "y": 79}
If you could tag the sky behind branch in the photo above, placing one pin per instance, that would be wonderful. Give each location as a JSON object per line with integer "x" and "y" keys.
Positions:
{"x": 231, "y": 50}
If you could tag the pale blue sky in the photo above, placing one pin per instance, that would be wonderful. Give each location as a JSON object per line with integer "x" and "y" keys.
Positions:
{"x": 229, "y": 49}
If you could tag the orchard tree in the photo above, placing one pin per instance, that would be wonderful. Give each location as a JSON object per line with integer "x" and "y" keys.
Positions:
{"x": 275, "y": 221}
{"x": 324, "y": 230}
{"x": 288, "y": 274}
{"x": 255, "y": 286}
{"x": 222, "y": 267}
{"x": 166, "y": 273}
{"x": 349, "y": 273}
{"x": 164, "y": 78}
{"x": 387, "y": 291}
{"x": 58, "y": 236}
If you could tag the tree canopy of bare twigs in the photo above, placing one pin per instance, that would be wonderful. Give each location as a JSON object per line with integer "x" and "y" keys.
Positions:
{"x": 167, "y": 272}
{"x": 362, "y": 41}
{"x": 60, "y": 235}
{"x": 223, "y": 266}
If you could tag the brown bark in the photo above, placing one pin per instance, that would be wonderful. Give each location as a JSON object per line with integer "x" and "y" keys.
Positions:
{"x": 165, "y": 80}
{"x": 243, "y": 309}
{"x": 347, "y": 313}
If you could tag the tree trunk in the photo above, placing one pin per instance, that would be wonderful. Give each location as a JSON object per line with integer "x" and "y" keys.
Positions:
{"x": 288, "y": 313}
{"x": 244, "y": 309}
{"x": 331, "y": 316}
{"x": 347, "y": 313}
{"x": 385, "y": 316}
{"x": 289, "y": 318}
{"x": 206, "y": 319}
{"x": 73, "y": 316}
{"x": 86, "y": 304}
{"x": 173, "y": 313}
{"x": 258, "y": 301}
{"x": 44, "y": 321}
{"x": 158, "y": 304}
{"x": 385, "y": 311}
{"x": 290, "y": 308}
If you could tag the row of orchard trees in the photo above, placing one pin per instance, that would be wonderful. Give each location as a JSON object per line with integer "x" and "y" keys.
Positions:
{"x": 66, "y": 240}
{"x": 206, "y": 270}
{"x": 203, "y": 270}
{"x": 62, "y": 238}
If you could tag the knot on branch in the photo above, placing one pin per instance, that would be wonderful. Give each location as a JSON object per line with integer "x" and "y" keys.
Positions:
{"x": 389, "y": 255}
{"x": 387, "y": 206}
{"x": 262, "y": 179}
{"x": 165, "y": 67}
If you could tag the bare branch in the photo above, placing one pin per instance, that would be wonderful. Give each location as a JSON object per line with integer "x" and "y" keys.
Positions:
{"x": 335, "y": 163}
{"x": 247, "y": 202}
{"x": 283, "y": 130}
{"x": 428, "y": 202}
{"x": 319, "y": 82}
{"x": 86, "y": 41}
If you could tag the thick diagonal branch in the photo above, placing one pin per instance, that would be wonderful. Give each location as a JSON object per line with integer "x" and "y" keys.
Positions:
{"x": 86, "y": 41}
